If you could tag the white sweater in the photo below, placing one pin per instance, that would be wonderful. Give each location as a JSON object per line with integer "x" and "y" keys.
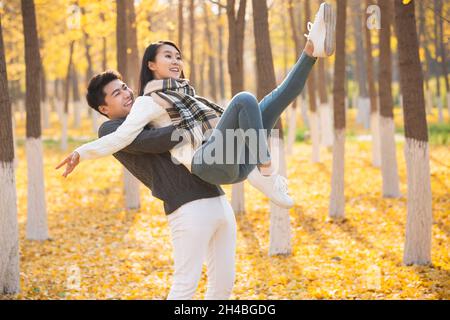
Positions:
{"x": 144, "y": 111}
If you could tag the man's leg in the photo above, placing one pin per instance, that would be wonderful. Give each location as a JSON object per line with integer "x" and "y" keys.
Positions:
{"x": 191, "y": 226}
{"x": 221, "y": 256}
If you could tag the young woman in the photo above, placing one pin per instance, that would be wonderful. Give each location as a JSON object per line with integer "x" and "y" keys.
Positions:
{"x": 167, "y": 98}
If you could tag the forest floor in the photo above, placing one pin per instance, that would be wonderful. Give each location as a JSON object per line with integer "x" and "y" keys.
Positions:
{"x": 98, "y": 250}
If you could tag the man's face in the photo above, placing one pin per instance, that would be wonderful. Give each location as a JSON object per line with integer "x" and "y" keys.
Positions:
{"x": 118, "y": 98}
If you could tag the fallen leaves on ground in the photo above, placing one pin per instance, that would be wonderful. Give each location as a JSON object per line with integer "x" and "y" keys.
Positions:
{"x": 98, "y": 250}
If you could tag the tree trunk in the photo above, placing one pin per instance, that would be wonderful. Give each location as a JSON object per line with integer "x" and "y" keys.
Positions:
{"x": 362, "y": 101}
{"x": 130, "y": 183}
{"x": 292, "y": 124}
{"x": 443, "y": 54}
{"x": 121, "y": 38}
{"x": 295, "y": 35}
{"x": 423, "y": 41}
{"x": 236, "y": 26}
{"x": 57, "y": 104}
{"x": 16, "y": 159}
{"x": 75, "y": 85}
{"x": 337, "y": 199}
{"x": 313, "y": 116}
{"x": 104, "y": 55}
{"x": 77, "y": 105}
{"x": 361, "y": 71}
{"x": 180, "y": 25}
{"x": 133, "y": 59}
{"x": 9, "y": 231}
{"x": 438, "y": 70}
{"x": 87, "y": 47}
{"x": 44, "y": 103}
{"x": 104, "y": 47}
{"x": 419, "y": 218}
{"x": 89, "y": 74}
{"x": 131, "y": 190}
{"x": 376, "y": 160}
{"x": 280, "y": 235}
{"x": 192, "y": 76}
{"x": 280, "y": 225}
{"x": 36, "y": 210}
{"x": 221, "y": 50}
{"x": 211, "y": 60}
{"x": 65, "y": 113}
{"x": 43, "y": 84}
{"x": 301, "y": 101}
{"x": 326, "y": 123}
{"x": 389, "y": 169}
{"x": 201, "y": 70}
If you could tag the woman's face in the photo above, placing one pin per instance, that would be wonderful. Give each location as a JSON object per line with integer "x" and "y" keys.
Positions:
{"x": 167, "y": 64}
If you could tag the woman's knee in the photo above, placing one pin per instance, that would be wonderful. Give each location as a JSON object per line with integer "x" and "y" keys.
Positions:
{"x": 245, "y": 99}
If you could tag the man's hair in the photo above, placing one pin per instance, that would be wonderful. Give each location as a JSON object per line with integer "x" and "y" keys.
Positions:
{"x": 95, "y": 95}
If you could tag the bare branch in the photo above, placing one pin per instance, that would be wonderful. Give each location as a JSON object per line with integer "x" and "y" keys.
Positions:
{"x": 217, "y": 2}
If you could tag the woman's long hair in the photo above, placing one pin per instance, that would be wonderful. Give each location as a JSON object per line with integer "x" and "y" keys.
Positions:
{"x": 146, "y": 74}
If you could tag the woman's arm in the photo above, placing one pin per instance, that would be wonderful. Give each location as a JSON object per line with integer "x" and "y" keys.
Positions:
{"x": 143, "y": 111}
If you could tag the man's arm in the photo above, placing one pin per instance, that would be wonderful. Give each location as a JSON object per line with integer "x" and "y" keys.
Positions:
{"x": 150, "y": 140}
{"x": 144, "y": 110}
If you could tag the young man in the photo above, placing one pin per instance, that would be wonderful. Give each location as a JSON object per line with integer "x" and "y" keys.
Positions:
{"x": 201, "y": 220}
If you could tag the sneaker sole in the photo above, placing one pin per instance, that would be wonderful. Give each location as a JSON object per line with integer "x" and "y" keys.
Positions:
{"x": 281, "y": 204}
{"x": 330, "y": 22}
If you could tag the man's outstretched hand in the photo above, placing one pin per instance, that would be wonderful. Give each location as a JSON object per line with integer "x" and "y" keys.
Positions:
{"x": 71, "y": 162}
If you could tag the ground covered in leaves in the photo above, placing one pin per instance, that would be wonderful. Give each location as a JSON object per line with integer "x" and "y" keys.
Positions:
{"x": 100, "y": 251}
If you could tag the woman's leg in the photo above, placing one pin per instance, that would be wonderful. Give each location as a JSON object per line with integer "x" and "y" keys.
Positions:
{"x": 241, "y": 114}
{"x": 321, "y": 43}
{"x": 221, "y": 158}
{"x": 273, "y": 104}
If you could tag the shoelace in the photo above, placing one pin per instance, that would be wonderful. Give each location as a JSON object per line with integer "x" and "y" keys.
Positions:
{"x": 309, "y": 27}
{"x": 281, "y": 184}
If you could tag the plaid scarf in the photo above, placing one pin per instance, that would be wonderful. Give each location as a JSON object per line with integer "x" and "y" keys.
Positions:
{"x": 192, "y": 113}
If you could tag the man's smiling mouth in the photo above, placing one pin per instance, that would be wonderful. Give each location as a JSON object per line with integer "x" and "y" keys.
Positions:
{"x": 129, "y": 104}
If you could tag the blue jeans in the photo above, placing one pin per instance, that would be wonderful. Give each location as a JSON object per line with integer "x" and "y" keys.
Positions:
{"x": 244, "y": 112}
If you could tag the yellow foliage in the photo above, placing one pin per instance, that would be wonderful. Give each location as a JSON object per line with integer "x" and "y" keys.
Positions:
{"x": 100, "y": 251}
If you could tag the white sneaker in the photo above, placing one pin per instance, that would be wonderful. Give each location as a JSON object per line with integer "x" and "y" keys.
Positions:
{"x": 274, "y": 187}
{"x": 322, "y": 31}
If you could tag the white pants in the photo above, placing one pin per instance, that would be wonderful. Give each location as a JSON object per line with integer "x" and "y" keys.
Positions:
{"x": 201, "y": 230}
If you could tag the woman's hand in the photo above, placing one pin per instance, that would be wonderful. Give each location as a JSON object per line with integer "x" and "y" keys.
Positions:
{"x": 71, "y": 161}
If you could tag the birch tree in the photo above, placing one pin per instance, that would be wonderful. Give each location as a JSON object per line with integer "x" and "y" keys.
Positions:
{"x": 337, "y": 199}
{"x": 389, "y": 168}
{"x": 313, "y": 114}
{"x": 130, "y": 183}
{"x": 419, "y": 216}
{"x": 9, "y": 231}
{"x": 280, "y": 228}
{"x": 36, "y": 228}
{"x": 236, "y": 26}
